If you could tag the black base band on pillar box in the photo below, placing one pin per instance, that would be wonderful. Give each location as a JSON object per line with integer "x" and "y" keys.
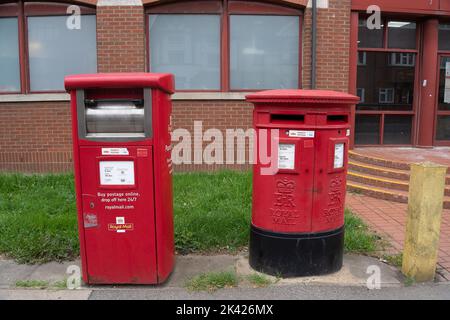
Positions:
{"x": 295, "y": 255}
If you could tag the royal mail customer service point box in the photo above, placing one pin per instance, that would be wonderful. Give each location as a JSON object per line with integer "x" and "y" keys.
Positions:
{"x": 123, "y": 176}
{"x": 298, "y": 205}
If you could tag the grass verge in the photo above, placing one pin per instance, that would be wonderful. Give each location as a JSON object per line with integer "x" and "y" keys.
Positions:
{"x": 38, "y": 218}
{"x": 258, "y": 280}
{"x": 358, "y": 237}
{"x": 212, "y": 281}
{"x": 38, "y": 221}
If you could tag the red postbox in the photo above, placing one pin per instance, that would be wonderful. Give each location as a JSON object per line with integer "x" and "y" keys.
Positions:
{"x": 123, "y": 176}
{"x": 298, "y": 207}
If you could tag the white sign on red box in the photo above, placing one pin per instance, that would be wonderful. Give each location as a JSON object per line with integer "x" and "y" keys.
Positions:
{"x": 301, "y": 134}
{"x": 286, "y": 156}
{"x": 115, "y": 152}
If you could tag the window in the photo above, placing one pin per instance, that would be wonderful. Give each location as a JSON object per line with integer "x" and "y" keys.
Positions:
{"x": 401, "y": 35}
{"x": 443, "y": 107}
{"x": 362, "y": 58}
{"x": 361, "y": 93}
{"x": 226, "y": 45}
{"x": 188, "y": 46}
{"x": 400, "y": 59}
{"x": 444, "y": 37}
{"x": 54, "y": 51}
{"x": 369, "y": 38}
{"x": 264, "y": 52}
{"x": 50, "y": 49}
{"x": 9, "y": 55}
{"x": 386, "y": 78}
{"x": 388, "y": 87}
{"x": 386, "y": 95}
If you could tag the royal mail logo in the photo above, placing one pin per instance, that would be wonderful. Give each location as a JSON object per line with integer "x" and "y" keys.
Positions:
{"x": 285, "y": 186}
{"x": 120, "y": 227}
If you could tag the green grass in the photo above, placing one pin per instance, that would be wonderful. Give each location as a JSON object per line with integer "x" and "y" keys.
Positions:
{"x": 38, "y": 221}
{"x": 212, "y": 210}
{"x": 212, "y": 281}
{"x": 258, "y": 280}
{"x": 394, "y": 260}
{"x": 358, "y": 237}
{"x": 38, "y": 218}
{"x": 35, "y": 284}
{"x": 41, "y": 284}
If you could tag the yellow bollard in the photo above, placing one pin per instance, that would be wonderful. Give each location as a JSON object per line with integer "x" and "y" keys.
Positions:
{"x": 426, "y": 195}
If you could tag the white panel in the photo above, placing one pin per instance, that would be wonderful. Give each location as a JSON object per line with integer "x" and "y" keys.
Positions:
{"x": 286, "y": 156}
{"x": 117, "y": 173}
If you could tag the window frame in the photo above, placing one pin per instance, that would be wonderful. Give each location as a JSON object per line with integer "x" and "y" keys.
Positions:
{"x": 22, "y": 11}
{"x": 225, "y": 8}
{"x": 386, "y": 49}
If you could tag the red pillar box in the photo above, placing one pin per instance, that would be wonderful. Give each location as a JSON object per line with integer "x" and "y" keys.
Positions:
{"x": 298, "y": 197}
{"x": 121, "y": 149}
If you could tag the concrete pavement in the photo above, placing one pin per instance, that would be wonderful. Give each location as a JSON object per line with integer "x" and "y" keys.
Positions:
{"x": 349, "y": 283}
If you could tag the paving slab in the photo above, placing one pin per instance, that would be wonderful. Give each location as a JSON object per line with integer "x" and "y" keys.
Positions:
{"x": 355, "y": 271}
{"x": 52, "y": 271}
{"x": 37, "y": 294}
{"x": 10, "y": 272}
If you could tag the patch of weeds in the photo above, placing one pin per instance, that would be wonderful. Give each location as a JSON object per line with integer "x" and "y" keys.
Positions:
{"x": 358, "y": 238}
{"x": 35, "y": 284}
{"x": 394, "y": 259}
{"x": 409, "y": 281}
{"x": 212, "y": 281}
{"x": 61, "y": 284}
{"x": 259, "y": 280}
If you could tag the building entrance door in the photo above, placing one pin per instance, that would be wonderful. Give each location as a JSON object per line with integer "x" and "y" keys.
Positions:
{"x": 442, "y": 123}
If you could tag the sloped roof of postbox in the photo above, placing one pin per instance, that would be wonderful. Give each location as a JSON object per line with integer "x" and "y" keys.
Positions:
{"x": 302, "y": 96}
{"x": 163, "y": 81}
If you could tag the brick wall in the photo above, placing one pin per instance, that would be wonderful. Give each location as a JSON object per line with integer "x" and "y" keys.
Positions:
{"x": 221, "y": 115}
{"x": 120, "y": 39}
{"x": 333, "y": 45}
{"x": 35, "y": 137}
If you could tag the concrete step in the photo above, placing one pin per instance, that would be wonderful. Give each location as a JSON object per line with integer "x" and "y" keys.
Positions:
{"x": 377, "y": 181}
{"x": 388, "y": 183}
{"x": 381, "y": 162}
{"x": 384, "y": 193}
{"x": 377, "y": 170}
{"x": 378, "y": 192}
{"x": 378, "y": 161}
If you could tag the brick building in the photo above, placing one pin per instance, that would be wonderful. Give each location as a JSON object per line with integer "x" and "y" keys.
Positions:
{"x": 219, "y": 51}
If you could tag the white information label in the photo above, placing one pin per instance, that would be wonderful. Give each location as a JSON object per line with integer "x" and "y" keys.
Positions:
{"x": 115, "y": 151}
{"x": 301, "y": 134}
{"x": 338, "y": 155}
{"x": 117, "y": 173}
{"x": 286, "y": 156}
{"x": 447, "y": 83}
{"x": 348, "y": 133}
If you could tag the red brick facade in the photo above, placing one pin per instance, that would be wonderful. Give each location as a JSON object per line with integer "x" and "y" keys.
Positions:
{"x": 35, "y": 136}
{"x": 120, "y": 39}
{"x": 333, "y": 46}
